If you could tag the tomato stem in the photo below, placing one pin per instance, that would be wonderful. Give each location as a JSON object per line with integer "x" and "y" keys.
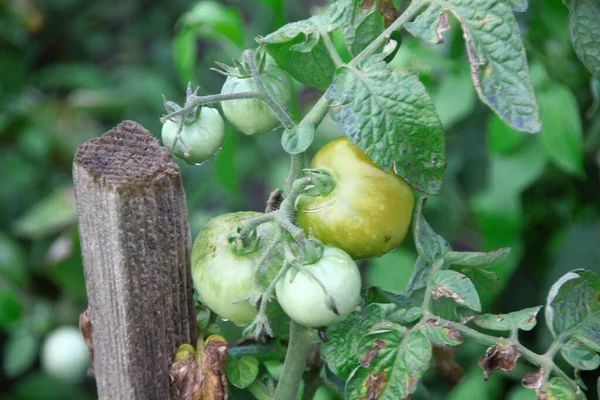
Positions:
{"x": 195, "y": 101}
{"x": 296, "y": 356}
{"x": 274, "y": 106}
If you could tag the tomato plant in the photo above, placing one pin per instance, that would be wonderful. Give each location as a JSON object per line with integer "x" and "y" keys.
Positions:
{"x": 321, "y": 293}
{"x": 368, "y": 210}
{"x": 356, "y": 201}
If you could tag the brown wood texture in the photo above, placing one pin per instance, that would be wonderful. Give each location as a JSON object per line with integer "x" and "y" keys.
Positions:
{"x": 135, "y": 243}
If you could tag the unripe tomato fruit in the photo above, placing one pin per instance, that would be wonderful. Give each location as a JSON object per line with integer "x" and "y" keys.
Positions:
{"x": 203, "y": 136}
{"x": 368, "y": 212}
{"x": 223, "y": 278}
{"x": 303, "y": 298}
{"x": 253, "y": 116}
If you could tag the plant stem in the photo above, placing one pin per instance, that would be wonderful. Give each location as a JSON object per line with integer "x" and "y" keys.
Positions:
{"x": 211, "y": 98}
{"x": 437, "y": 265}
{"x": 412, "y": 10}
{"x": 543, "y": 361}
{"x": 260, "y": 390}
{"x": 337, "y": 60}
{"x": 266, "y": 96}
{"x": 295, "y": 362}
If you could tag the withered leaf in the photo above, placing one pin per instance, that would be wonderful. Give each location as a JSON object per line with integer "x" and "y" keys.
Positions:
{"x": 200, "y": 375}
{"x": 499, "y": 357}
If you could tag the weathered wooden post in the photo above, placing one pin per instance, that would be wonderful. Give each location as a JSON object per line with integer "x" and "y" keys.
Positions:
{"x": 135, "y": 242}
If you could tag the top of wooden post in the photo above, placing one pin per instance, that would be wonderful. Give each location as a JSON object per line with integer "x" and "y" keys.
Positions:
{"x": 118, "y": 158}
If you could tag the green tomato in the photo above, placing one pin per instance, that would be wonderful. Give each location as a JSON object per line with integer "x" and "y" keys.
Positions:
{"x": 223, "y": 278}
{"x": 304, "y": 299}
{"x": 253, "y": 116}
{"x": 203, "y": 136}
{"x": 368, "y": 212}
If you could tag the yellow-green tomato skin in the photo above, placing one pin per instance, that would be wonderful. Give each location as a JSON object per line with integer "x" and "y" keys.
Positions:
{"x": 253, "y": 116}
{"x": 368, "y": 212}
{"x": 222, "y": 278}
{"x": 204, "y": 136}
{"x": 303, "y": 299}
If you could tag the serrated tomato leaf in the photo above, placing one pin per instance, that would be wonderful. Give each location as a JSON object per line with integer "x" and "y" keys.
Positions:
{"x": 498, "y": 62}
{"x": 477, "y": 259}
{"x": 340, "y": 350}
{"x": 584, "y": 27}
{"x": 429, "y": 244}
{"x": 362, "y": 23}
{"x": 390, "y": 116}
{"x": 298, "y": 47}
{"x": 522, "y": 319}
{"x": 573, "y": 307}
{"x": 580, "y": 356}
{"x": 392, "y": 362}
{"x": 458, "y": 287}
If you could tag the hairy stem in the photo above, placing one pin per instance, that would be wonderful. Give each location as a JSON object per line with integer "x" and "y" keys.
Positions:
{"x": 295, "y": 362}
{"x": 211, "y": 98}
{"x": 337, "y": 60}
{"x": 426, "y": 306}
{"x": 412, "y": 11}
{"x": 540, "y": 360}
{"x": 266, "y": 96}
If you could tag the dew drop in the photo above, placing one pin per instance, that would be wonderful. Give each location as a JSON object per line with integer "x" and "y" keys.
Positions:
{"x": 224, "y": 320}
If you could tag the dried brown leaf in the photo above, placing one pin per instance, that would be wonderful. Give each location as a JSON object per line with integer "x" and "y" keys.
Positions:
{"x": 499, "y": 357}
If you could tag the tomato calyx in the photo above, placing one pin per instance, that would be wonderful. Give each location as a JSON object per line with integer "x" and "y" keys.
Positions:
{"x": 241, "y": 69}
{"x": 243, "y": 245}
{"x": 322, "y": 183}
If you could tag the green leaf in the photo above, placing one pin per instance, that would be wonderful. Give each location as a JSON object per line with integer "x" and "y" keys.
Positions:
{"x": 458, "y": 287}
{"x": 522, "y": 319}
{"x": 484, "y": 280}
{"x": 11, "y": 311}
{"x": 242, "y": 372}
{"x": 375, "y": 294}
{"x": 298, "y": 139}
{"x": 389, "y": 115}
{"x": 342, "y": 340}
{"x": 392, "y": 362}
{"x": 558, "y": 389}
{"x": 298, "y": 48}
{"x": 20, "y": 352}
{"x": 211, "y": 19}
{"x": 12, "y": 261}
{"x": 48, "y": 216}
{"x": 185, "y": 55}
{"x": 579, "y": 356}
{"x": 362, "y": 23}
{"x": 429, "y": 244}
{"x": 562, "y": 135}
{"x": 584, "y": 27}
{"x": 442, "y": 335}
{"x": 496, "y": 54}
{"x": 573, "y": 307}
{"x": 476, "y": 259}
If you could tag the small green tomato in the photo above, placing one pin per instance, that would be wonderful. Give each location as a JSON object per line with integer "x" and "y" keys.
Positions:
{"x": 203, "y": 136}
{"x": 223, "y": 278}
{"x": 304, "y": 299}
{"x": 253, "y": 116}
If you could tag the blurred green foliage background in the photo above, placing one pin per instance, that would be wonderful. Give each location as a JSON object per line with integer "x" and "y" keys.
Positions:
{"x": 72, "y": 69}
